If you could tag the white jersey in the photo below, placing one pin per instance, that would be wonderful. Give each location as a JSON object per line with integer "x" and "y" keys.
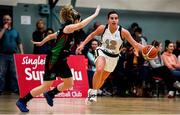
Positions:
{"x": 111, "y": 42}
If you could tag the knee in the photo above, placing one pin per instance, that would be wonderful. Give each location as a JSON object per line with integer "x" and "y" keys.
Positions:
{"x": 69, "y": 85}
{"x": 99, "y": 69}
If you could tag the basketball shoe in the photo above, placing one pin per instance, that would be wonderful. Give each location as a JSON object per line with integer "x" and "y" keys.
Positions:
{"x": 49, "y": 99}
{"x": 92, "y": 96}
{"x": 22, "y": 106}
{"x": 171, "y": 94}
{"x": 177, "y": 85}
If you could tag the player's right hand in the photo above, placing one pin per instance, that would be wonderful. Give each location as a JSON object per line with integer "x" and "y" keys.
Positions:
{"x": 97, "y": 10}
{"x": 37, "y": 43}
{"x": 79, "y": 50}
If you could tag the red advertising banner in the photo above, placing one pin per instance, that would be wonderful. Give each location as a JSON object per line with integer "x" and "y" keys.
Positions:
{"x": 30, "y": 71}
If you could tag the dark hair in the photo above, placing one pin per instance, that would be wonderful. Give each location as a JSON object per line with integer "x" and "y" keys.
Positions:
{"x": 76, "y": 15}
{"x": 167, "y": 42}
{"x": 95, "y": 41}
{"x": 134, "y": 24}
{"x": 48, "y": 29}
{"x": 138, "y": 29}
{"x": 155, "y": 43}
{"x": 112, "y": 12}
{"x": 178, "y": 44}
{"x": 40, "y": 20}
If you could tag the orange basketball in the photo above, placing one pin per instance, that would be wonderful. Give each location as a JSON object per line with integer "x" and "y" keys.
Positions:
{"x": 149, "y": 52}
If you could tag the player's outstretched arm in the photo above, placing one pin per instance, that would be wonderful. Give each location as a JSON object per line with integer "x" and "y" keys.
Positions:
{"x": 46, "y": 39}
{"x": 130, "y": 39}
{"x": 98, "y": 31}
{"x": 73, "y": 27}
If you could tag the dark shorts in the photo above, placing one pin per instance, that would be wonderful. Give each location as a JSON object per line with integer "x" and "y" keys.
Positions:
{"x": 59, "y": 69}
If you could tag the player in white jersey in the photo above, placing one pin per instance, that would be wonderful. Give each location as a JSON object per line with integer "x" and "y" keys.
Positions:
{"x": 108, "y": 54}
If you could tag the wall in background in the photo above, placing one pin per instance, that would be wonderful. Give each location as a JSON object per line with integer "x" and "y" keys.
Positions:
{"x": 156, "y": 25}
{"x": 140, "y": 5}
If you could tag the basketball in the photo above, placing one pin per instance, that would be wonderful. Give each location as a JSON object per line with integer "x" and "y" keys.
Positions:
{"x": 149, "y": 52}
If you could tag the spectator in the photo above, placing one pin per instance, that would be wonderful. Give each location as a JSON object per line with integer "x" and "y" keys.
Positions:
{"x": 139, "y": 36}
{"x": 179, "y": 58}
{"x": 50, "y": 43}
{"x": 132, "y": 28}
{"x": 38, "y": 35}
{"x": 177, "y": 49}
{"x": 79, "y": 36}
{"x": 158, "y": 69}
{"x": 135, "y": 66}
{"x": 97, "y": 37}
{"x": 120, "y": 86}
{"x": 10, "y": 42}
{"x": 170, "y": 60}
{"x": 134, "y": 25}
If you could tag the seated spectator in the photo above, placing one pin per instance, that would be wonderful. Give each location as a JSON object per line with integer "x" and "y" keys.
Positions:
{"x": 159, "y": 70}
{"x": 120, "y": 86}
{"x": 170, "y": 60}
{"x": 177, "y": 49}
{"x": 136, "y": 71}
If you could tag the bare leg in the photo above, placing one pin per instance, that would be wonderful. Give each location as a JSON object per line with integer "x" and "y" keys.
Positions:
{"x": 100, "y": 64}
{"x": 68, "y": 83}
{"x": 105, "y": 75}
{"x": 42, "y": 88}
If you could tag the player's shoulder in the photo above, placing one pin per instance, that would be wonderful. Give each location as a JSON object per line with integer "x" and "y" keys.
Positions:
{"x": 101, "y": 28}
{"x": 124, "y": 30}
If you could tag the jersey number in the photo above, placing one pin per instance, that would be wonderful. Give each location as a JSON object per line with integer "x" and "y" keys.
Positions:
{"x": 111, "y": 44}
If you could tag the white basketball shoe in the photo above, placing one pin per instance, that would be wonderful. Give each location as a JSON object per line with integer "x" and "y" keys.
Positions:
{"x": 92, "y": 96}
{"x": 177, "y": 85}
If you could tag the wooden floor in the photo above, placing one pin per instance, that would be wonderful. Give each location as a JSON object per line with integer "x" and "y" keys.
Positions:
{"x": 105, "y": 105}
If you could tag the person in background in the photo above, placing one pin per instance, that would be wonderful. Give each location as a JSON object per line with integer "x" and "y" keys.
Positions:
{"x": 10, "y": 43}
{"x": 132, "y": 28}
{"x": 179, "y": 58}
{"x": 50, "y": 43}
{"x": 79, "y": 36}
{"x": 177, "y": 48}
{"x": 38, "y": 35}
{"x": 170, "y": 60}
{"x": 95, "y": 26}
{"x": 158, "y": 69}
{"x": 139, "y": 36}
